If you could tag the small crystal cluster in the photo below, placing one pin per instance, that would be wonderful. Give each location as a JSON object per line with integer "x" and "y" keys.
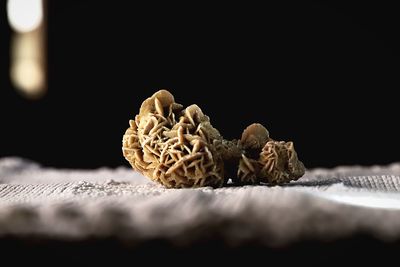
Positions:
{"x": 178, "y": 147}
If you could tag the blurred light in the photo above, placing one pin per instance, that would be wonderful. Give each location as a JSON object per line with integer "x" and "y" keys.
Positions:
{"x": 25, "y": 15}
{"x": 27, "y": 68}
{"x": 28, "y": 47}
{"x": 28, "y": 76}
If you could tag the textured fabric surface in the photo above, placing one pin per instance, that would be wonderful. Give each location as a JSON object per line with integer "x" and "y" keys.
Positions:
{"x": 76, "y": 204}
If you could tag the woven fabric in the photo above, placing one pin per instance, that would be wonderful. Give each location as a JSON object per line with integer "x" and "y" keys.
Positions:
{"x": 74, "y": 204}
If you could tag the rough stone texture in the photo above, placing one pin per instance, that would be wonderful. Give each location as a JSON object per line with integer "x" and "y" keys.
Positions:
{"x": 179, "y": 148}
{"x": 172, "y": 146}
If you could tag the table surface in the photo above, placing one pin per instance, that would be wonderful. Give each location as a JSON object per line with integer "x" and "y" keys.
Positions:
{"x": 325, "y": 204}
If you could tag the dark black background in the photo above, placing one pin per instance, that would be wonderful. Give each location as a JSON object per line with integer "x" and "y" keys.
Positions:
{"x": 323, "y": 74}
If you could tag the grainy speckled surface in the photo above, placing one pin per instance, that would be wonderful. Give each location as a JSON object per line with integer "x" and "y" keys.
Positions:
{"x": 74, "y": 204}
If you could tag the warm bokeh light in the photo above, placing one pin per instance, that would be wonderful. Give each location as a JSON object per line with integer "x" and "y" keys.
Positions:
{"x": 28, "y": 74}
{"x": 25, "y": 15}
{"x": 27, "y": 70}
{"x": 28, "y": 48}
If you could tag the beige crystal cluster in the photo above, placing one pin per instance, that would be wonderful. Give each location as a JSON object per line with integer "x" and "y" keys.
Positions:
{"x": 178, "y": 147}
